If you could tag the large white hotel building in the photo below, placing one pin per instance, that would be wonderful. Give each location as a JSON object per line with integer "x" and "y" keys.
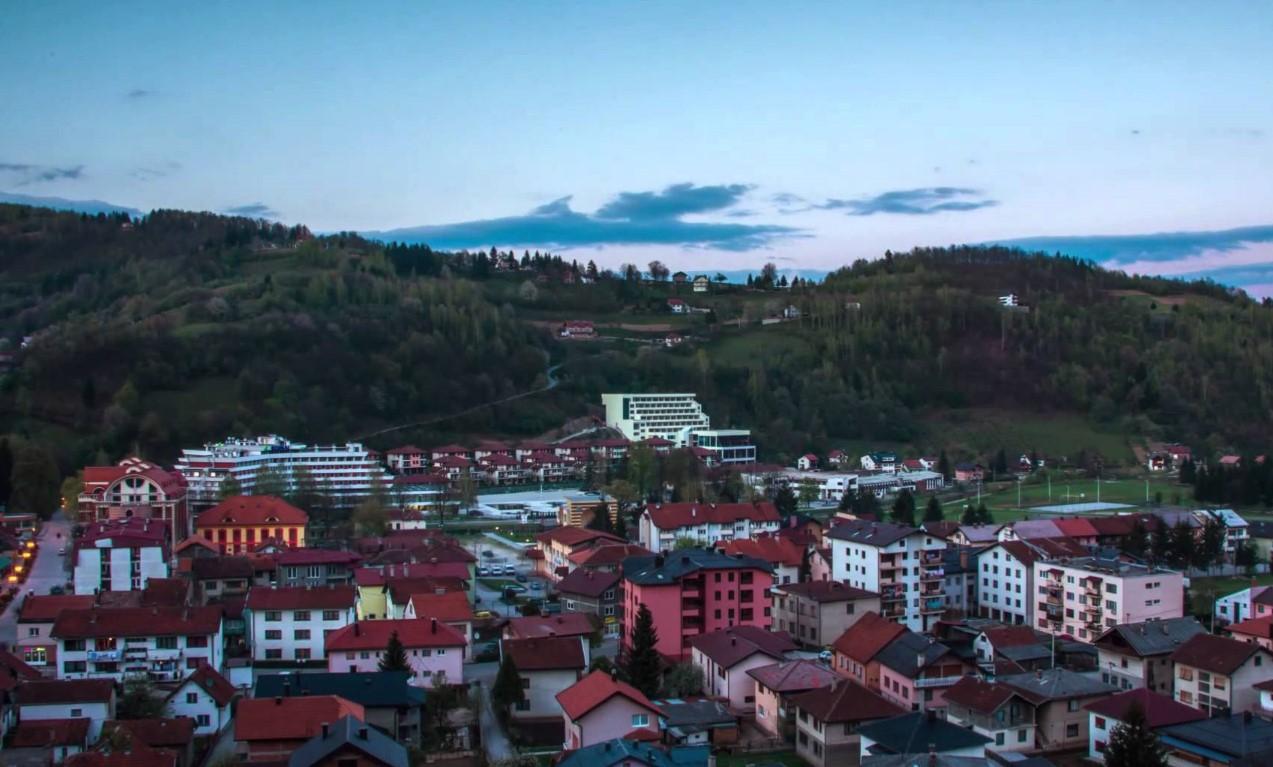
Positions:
{"x": 678, "y": 418}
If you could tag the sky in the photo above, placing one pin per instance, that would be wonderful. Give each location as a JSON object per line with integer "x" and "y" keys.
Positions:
{"x": 709, "y": 135}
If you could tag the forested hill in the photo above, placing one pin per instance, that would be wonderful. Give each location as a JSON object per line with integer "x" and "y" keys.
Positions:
{"x": 177, "y": 328}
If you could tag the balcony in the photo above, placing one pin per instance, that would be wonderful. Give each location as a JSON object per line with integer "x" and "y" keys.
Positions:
{"x": 932, "y": 558}
{"x": 937, "y": 681}
{"x": 693, "y": 593}
{"x": 931, "y": 605}
{"x": 931, "y": 575}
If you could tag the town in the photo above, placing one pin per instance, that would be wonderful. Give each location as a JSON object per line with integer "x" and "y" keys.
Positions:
{"x": 584, "y": 601}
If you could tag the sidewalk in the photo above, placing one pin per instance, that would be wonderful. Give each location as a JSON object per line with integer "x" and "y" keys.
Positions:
{"x": 494, "y": 740}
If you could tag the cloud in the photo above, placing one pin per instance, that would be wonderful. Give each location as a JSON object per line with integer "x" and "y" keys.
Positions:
{"x": 151, "y": 172}
{"x": 631, "y": 218}
{"x": 252, "y": 210}
{"x": 674, "y": 201}
{"x": 913, "y": 202}
{"x": 27, "y": 173}
{"x": 137, "y": 94}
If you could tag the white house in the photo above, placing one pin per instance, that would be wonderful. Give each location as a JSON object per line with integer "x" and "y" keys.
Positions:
{"x": 163, "y": 643}
{"x": 205, "y": 697}
{"x": 547, "y": 665}
{"x": 807, "y": 462}
{"x": 904, "y": 565}
{"x": 291, "y": 623}
{"x": 705, "y": 523}
{"x": 1237, "y": 607}
{"x": 1105, "y": 714}
{"x": 120, "y": 555}
{"x": 1236, "y": 529}
{"x": 435, "y": 651}
{"x": 879, "y": 462}
{"x": 830, "y": 486}
{"x": 727, "y": 655}
{"x": 92, "y": 699}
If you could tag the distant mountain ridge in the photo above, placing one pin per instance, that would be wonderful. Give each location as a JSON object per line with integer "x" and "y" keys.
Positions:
{"x": 91, "y": 207}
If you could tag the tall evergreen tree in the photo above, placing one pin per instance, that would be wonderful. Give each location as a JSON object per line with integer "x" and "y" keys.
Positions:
{"x": 933, "y": 511}
{"x": 507, "y": 690}
{"x": 785, "y": 500}
{"x": 983, "y": 515}
{"x": 1133, "y": 744}
{"x": 1160, "y": 543}
{"x": 643, "y": 659}
{"x": 1137, "y": 541}
{"x": 969, "y": 517}
{"x": 904, "y": 508}
{"x": 395, "y": 657}
{"x": 943, "y": 466}
{"x": 6, "y": 470}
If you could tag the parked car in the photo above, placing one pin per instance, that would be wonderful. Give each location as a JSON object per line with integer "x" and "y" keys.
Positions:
{"x": 482, "y": 572}
{"x": 536, "y": 586}
{"x": 521, "y": 578}
{"x": 488, "y": 553}
{"x": 510, "y": 569}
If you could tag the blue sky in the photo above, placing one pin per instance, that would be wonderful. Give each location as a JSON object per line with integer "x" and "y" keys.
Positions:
{"x": 710, "y": 135}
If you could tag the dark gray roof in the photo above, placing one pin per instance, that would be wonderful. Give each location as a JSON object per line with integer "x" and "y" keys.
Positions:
{"x": 1153, "y": 637}
{"x": 349, "y": 732}
{"x": 1025, "y": 652}
{"x": 922, "y": 760}
{"x": 903, "y": 654}
{"x": 694, "y": 715}
{"x": 372, "y": 689}
{"x": 666, "y": 568}
{"x": 1233, "y": 735}
{"x": 917, "y": 733}
{"x": 872, "y": 533}
{"x": 618, "y": 751}
{"x": 1056, "y": 684}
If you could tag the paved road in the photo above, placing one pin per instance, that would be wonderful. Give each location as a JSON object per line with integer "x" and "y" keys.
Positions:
{"x": 494, "y": 740}
{"x": 49, "y": 571}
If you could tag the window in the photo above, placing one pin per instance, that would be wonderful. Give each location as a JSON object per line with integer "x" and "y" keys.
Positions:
{"x": 35, "y": 655}
{"x": 203, "y": 720}
{"x": 999, "y": 739}
{"x": 300, "y": 634}
{"x": 331, "y": 615}
{"x": 274, "y": 654}
{"x": 1186, "y": 697}
{"x": 33, "y": 631}
{"x": 849, "y": 607}
{"x": 192, "y": 698}
{"x": 640, "y": 720}
{"x": 1072, "y": 705}
{"x": 1100, "y": 722}
{"x": 273, "y": 634}
{"x": 302, "y": 653}
{"x": 1186, "y": 673}
{"x": 77, "y": 713}
{"x": 1071, "y": 730}
{"x": 1021, "y": 736}
{"x": 165, "y": 643}
{"x": 300, "y": 615}
{"x": 273, "y": 615}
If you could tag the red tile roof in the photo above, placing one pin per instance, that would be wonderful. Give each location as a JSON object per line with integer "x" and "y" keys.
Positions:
{"x": 66, "y": 691}
{"x": 14, "y": 670}
{"x": 1011, "y": 636}
{"x": 451, "y": 606}
{"x": 864, "y": 639}
{"x": 1077, "y": 527}
{"x": 772, "y": 549}
{"x": 597, "y": 688}
{"x": 577, "y": 536}
{"x": 732, "y": 645}
{"x": 827, "y": 591}
{"x": 566, "y": 624}
{"x": 211, "y": 682}
{"x": 1020, "y": 551}
{"x": 844, "y": 701}
{"x": 137, "y": 622}
{"x": 978, "y": 695}
{"x": 374, "y": 635}
{"x": 130, "y": 532}
{"x": 405, "y": 450}
{"x": 402, "y": 589}
{"x": 259, "y": 510}
{"x": 588, "y": 582}
{"x": 643, "y": 735}
{"x": 45, "y": 609}
{"x": 545, "y": 653}
{"x": 1114, "y": 526}
{"x": 669, "y": 516}
{"x": 295, "y": 718}
{"x": 46, "y": 733}
{"x": 793, "y": 676}
{"x": 317, "y": 557}
{"x": 1215, "y": 654}
{"x": 300, "y": 598}
{"x": 138, "y": 756}
{"x": 1253, "y": 627}
{"x": 605, "y": 554}
{"x": 156, "y": 733}
{"x": 1159, "y": 710}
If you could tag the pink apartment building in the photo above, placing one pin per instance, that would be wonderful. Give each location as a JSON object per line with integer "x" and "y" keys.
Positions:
{"x": 432, "y": 648}
{"x": 916, "y": 671}
{"x": 692, "y": 592}
{"x": 1083, "y": 596}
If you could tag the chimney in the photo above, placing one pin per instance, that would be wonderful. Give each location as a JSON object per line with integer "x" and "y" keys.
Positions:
{"x": 433, "y": 625}
{"x": 1038, "y": 673}
{"x": 278, "y": 701}
{"x": 733, "y": 641}
{"x": 326, "y": 730}
{"x": 357, "y": 629}
{"x": 362, "y": 733}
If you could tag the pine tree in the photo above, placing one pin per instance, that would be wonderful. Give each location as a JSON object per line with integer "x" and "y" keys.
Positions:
{"x": 969, "y": 517}
{"x": 933, "y": 511}
{"x": 943, "y": 466}
{"x": 621, "y": 524}
{"x": 6, "y": 470}
{"x": 904, "y": 508}
{"x": 785, "y": 501}
{"x": 1160, "y": 543}
{"x": 983, "y": 515}
{"x": 1133, "y": 744}
{"x": 507, "y": 689}
{"x": 1137, "y": 541}
{"x": 395, "y": 657}
{"x": 229, "y": 487}
{"x": 643, "y": 658}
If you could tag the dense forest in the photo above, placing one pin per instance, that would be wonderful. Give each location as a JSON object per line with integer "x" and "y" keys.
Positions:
{"x": 149, "y": 334}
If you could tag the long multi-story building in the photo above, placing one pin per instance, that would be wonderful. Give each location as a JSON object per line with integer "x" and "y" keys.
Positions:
{"x": 1084, "y": 596}
{"x": 668, "y": 416}
{"x": 903, "y": 564}
{"x": 706, "y": 524}
{"x": 694, "y": 591}
{"x": 345, "y": 473}
{"x": 725, "y": 445}
{"x": 121, "y": 555}
{"x": 163, "y": 643}
{"x": 134, "y": 489}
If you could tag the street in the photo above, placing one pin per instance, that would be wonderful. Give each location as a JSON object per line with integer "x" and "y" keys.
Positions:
{"x": 48, "y": 571}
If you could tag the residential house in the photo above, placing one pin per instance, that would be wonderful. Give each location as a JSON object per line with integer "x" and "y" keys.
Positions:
{"x": 960, "y": 578}
{"x": 219, "y": 577}
{"x": 1254, "y": 630}
{"x": 1079, "y": 529}
{"x": 776, "y": 684}
{"x": 271, "y": 729}
{"x": 903, "y": 564}
{"x": 582, "y": 509}
{"x": 784, "y": 554}
{"x": 1262, "y": 603}
{"x": 975, "y": 535}
{"x": 435, "y": 650}
{"x": 35, "y": 643}
{"x": 451, "y": 608}
{"x": 316, "y": 567}
{"x": 595, "y": 592}
{"x": 137, "y": 489}
{"x": 886, "y": 462}
{"x": 1006, "y": 649}
{"x": 969, "y": 472}
{"x": 167, "y": 736}
{"x": 915, "y": 671}
{"x": 1058, "y": 696}
{"x": 1238, "y": 606}
{"x": 120, "y": 555}
{"x": 605, "y": 557}
{"x": 1236, "y": 529}
{"x": 204, "y": 697}
{"x": 241, "y": 523}
{"x": 727, "y": 655}
{"x": 820, "y": 563}
{"x": 92, "y": 699}
{"x": 807, "y": 462}
{"x": 560, "y": 543}
{"x": 828, "y": 720}
{"x": 1218, "y": 675}
{"x": 163, "y": 643}
{"x": 1236, "y": 739}
{"x": 50, "y": 741}
{"x": 13, "y": 673}
{"x": 408, "y": 459}
{"x": 701, "y": 284}
{"x": 389, "y": 699}
{"x": 546, "y": 665}
{"x": 855, "y": 651}
{"x": 996, "y": 711}
{"x": 1107, "y": 713}
{"x": 599, "y": 708}
{"x": 1084, "y": 596}
{"x": 662, "y": 525}
{"x": 620, "y": 752}
{"x": 1005, "y": 587}
{"x": 290, "y": 623}
{"x": 816, "y": 613}
{"x": 695, "y": 591}
{"x": 563, "y": 625}
{"x": 677, "y": 306}
{"x": 349, "y": 742}
{"x": 900, "y": 734}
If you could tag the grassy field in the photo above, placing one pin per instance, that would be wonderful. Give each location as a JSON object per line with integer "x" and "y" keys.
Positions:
{"x": 740, "y": 349}
{"x": 1203, "y": 592}
{"x": 1003, "y": 502}
{"x": 1057, "y": 437}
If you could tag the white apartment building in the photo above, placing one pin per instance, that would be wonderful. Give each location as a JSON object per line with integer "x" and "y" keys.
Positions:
{"x": 831, "y": 486}
{"x": 346, "y": 473}
{"x": 162, "y": 643}
{"x": 292, "y": 623}
{"x": 1005, "y": 582}
{"x": 726, "y": 445}
{"x": 1084, "y": 596}
{"x": 904, "y": 565}
{"x": 668, "y": 416}
{"x": 706, "y": 524}
{"x": 103, "y": 568}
